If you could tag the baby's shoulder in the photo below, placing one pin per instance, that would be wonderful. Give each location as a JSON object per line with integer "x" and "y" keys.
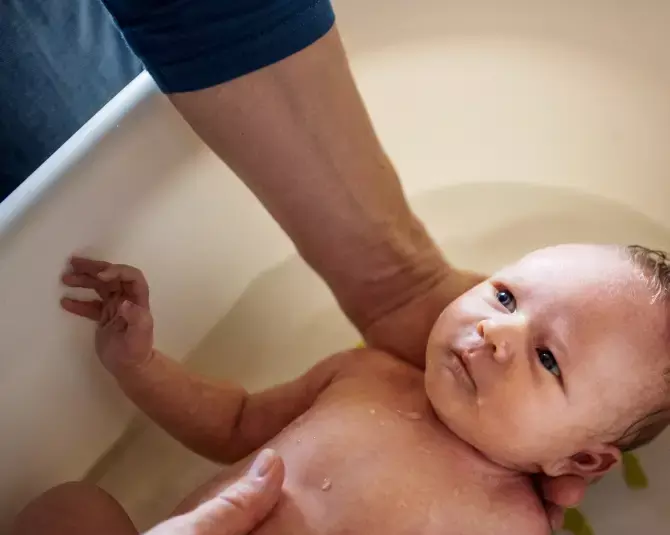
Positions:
{"x": 367, "y": 360}
{"x": 366, "y": 365}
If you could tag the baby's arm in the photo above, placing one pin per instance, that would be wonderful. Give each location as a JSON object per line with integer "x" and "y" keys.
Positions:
{"x": 218, "y": 420}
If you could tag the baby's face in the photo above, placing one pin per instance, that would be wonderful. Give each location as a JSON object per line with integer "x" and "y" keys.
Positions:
{"x": 549, "y": 360}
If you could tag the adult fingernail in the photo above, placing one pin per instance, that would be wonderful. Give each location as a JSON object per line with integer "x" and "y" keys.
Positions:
{"x": 263, "y": 463}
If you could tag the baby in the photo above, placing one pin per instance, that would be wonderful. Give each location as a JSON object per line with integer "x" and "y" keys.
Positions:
{"x": 555, "y": 364}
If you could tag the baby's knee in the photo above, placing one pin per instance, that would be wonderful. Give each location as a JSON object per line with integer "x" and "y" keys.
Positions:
{"x": 68, "y": 495}
{"x": 68, "y": 505}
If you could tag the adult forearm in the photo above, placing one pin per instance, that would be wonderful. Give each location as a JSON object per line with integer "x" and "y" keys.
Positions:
{"x": 299, "y": 136}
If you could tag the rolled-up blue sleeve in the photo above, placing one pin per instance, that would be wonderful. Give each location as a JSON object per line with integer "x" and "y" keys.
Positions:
{"x": 193, "y": 44}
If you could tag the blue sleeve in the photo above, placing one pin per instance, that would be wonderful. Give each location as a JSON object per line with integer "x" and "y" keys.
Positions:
{"x": 193, "y": 44}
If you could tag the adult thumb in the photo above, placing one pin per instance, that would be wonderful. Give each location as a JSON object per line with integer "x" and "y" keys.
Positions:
{"x": 239, "y": 508}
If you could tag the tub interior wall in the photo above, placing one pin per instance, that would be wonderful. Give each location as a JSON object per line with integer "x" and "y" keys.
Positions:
{"x": 512, "y": 128}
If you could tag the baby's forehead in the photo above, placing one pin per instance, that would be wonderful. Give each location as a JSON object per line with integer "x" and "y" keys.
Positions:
{"x": 576, "y": 269}
{"x": 593, "y": 294}
{"x": 594, "y": 260}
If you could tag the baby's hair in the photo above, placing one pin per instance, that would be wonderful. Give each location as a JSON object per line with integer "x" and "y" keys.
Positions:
{"x": 655, "y": 267}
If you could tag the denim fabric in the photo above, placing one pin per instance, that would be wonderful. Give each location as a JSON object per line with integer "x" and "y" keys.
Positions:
{"x": 60, "y": 62}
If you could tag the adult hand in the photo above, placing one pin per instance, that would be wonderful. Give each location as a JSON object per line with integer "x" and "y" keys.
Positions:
{"x": 238, "y": 509}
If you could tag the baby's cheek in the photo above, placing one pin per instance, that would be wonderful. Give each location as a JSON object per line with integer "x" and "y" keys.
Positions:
{"x": 531, "y": 422}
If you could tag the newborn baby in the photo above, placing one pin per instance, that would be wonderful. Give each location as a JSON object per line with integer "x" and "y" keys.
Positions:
{"x": 556, "y": 364}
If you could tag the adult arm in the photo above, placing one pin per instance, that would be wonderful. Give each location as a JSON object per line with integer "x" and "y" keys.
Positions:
{"x": 299, "y": 136}
{"x": 297, "y": 133}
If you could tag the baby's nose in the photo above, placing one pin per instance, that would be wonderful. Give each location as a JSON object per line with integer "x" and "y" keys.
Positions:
{"x": 505, "y": 338}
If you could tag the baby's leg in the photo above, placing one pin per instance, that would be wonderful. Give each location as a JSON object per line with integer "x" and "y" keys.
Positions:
{"x": 74, "y": 509}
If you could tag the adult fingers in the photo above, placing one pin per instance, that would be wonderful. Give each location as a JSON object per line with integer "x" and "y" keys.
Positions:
{"x": 238, "y": 509}
{"x": 242, "y": 506}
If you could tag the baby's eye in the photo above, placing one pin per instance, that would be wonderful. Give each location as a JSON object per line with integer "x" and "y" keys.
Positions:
{"x": 506, "y": 299}
{"x": 549, "y": 361}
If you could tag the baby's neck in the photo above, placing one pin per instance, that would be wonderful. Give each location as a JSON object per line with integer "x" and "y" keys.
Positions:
{"x": 477, "y": 459}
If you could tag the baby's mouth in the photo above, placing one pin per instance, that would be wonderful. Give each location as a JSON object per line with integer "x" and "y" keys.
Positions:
{"x": 458, "y": 366}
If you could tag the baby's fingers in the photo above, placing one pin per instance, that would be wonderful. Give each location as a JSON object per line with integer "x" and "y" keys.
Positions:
{"x": 83, "y": 273}
{"x": 132, "y": 280}
{"x": 122, "y": 272}
{"x": 86, "y": 309}
{"x": 136, "y": 317}
{"x": 75, "y": 280}
{"x": 87, "y": 266}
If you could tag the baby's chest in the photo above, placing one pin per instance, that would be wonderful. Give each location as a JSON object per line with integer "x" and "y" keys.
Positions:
{"x": 380, "y": 467}
{"x": 380, "y": 494}
{"x": 370, "y": 458}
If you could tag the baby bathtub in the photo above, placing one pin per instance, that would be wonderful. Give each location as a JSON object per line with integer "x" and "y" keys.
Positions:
{"x": 512, "y": 128}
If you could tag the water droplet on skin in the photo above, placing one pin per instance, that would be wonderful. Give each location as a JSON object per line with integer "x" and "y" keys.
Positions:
{"x": 299, "y": 441}
{"x": 327, "y": 485}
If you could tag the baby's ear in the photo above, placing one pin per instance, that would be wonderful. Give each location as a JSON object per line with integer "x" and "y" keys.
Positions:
{"x": 592, "y": 463}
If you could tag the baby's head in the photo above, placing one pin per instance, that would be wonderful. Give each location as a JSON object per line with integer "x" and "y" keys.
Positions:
{"x": 559, "y": 362}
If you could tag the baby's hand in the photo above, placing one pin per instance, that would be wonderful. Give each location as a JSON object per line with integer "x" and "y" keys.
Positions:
{"x": 124, "y": 337}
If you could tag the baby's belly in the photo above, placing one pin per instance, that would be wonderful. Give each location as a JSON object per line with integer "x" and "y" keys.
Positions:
{"x": 372, "y": 470}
